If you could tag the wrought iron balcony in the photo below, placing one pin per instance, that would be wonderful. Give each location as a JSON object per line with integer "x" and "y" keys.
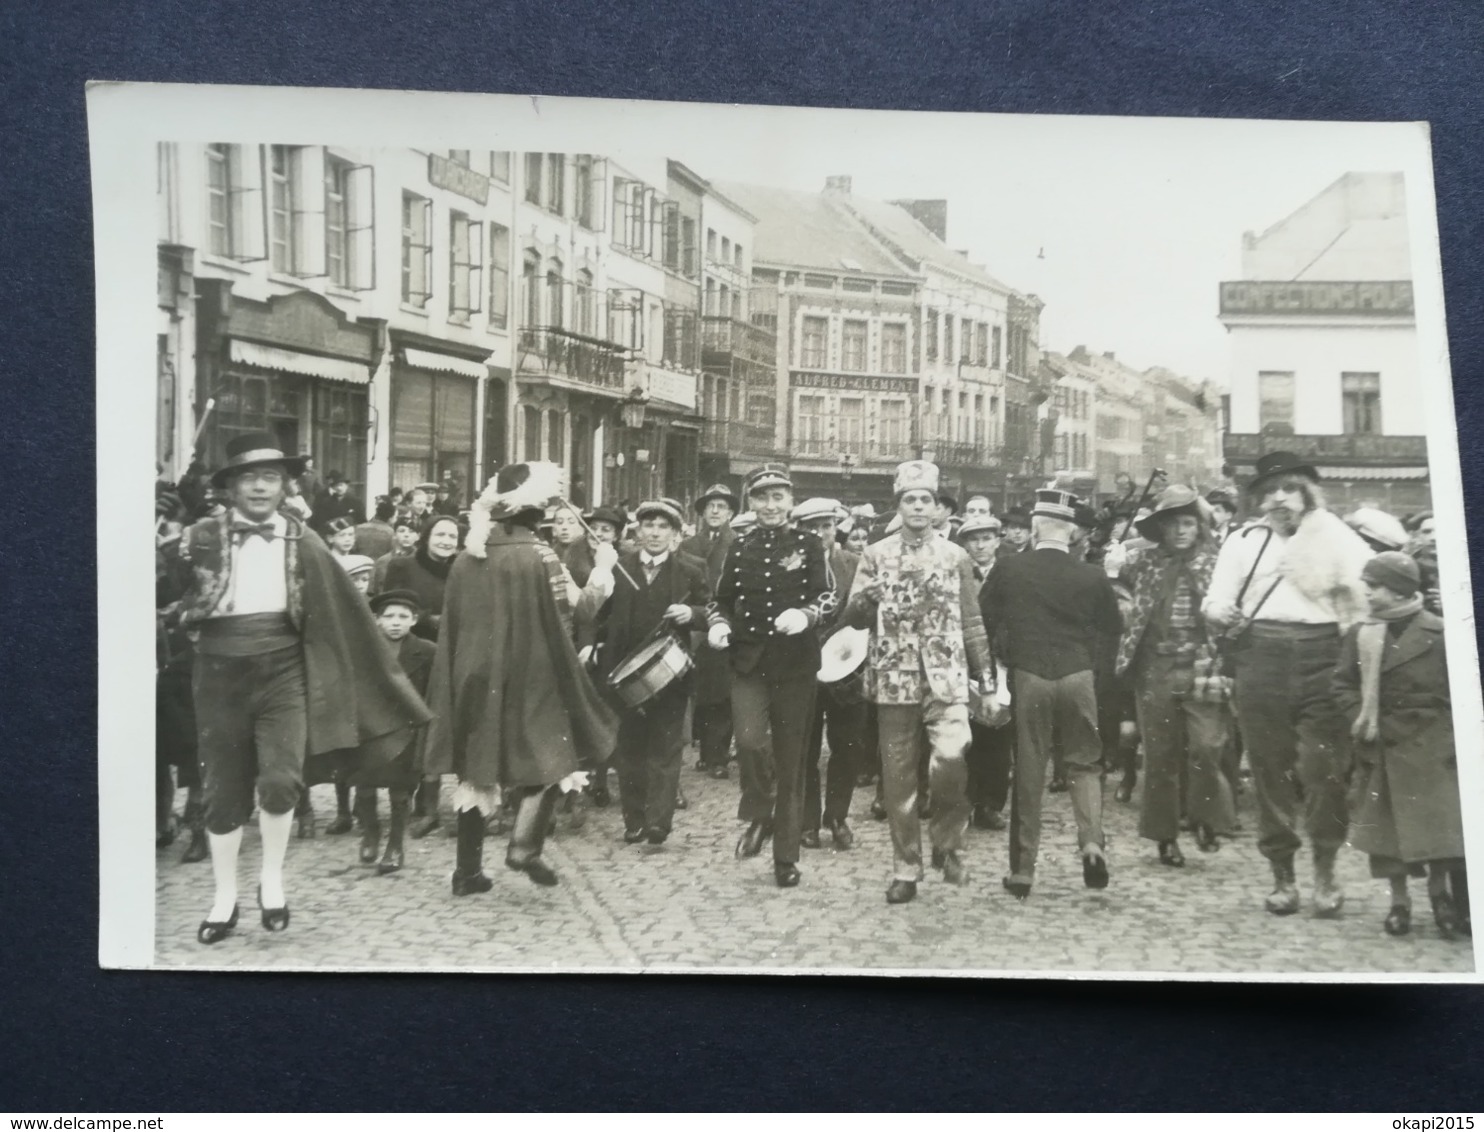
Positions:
{"x": 737, "y": 438}
{"x": 724, "y": 338}
{"x": 564, "y": 353}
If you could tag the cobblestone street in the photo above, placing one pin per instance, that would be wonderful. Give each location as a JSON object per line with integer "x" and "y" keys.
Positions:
{"x": 689, "y": 904}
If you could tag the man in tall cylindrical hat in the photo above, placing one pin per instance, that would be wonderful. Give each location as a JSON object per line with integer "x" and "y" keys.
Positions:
{"x": 289, "y": 665}
{"x": 711, "y": 723}
{"x": 1047, "y": 610}
{"x": 515, "y": 710}
{"x": 1284, "y": 590}
{"x": 775, "y": 588}
{"x": 915, "y": 590}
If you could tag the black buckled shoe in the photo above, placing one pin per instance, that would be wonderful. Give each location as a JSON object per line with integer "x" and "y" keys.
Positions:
{"x": 274, "y": 919}
{"x": 1398, "y": 921}
{"x": 1017, "y": 887}
{"x": 633, "y": 836}
{"x": 214, "y": 931}
{"x": 1169, "y": 854}
{"x": 901, "y": 892}
{"x": 786, "y": 874}
{"x": 391, "y": 860}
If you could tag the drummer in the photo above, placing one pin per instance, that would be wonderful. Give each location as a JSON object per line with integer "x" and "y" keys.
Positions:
{"x": 841, "y": 707}
{"x": 656, "y": 590}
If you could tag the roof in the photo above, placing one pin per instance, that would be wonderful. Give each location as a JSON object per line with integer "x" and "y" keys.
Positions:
{"x": 810, "y": 231}
{"x": 1355, "y": 230}
{"x": 908, "y": 236}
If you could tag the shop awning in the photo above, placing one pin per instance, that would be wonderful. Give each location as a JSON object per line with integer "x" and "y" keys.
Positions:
{"x": 444, "y": 363}
{"x": 292, "y": 361}
{"x": 1372, "y": 472}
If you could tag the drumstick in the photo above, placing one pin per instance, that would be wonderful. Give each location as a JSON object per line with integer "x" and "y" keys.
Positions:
{"x": 589, "y": 531}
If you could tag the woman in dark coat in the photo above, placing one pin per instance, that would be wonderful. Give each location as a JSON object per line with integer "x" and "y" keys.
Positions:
{"x": 425, "y": 572}
{"x": 1391, "y": 683}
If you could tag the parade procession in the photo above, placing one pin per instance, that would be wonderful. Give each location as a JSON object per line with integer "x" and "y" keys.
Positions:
{"x": 797, "y": 592}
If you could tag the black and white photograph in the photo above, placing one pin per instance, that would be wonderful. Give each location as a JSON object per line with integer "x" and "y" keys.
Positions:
{"x": 601, "y": 536}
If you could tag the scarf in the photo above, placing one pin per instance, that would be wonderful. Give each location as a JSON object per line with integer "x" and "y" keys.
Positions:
{"x": 1370, "y": 643}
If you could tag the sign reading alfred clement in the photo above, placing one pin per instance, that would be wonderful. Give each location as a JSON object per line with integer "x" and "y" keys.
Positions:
{"x": 1311, "y": 297}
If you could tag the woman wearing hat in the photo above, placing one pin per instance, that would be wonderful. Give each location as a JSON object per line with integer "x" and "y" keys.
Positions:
{"x": 1184, "y": 724}
{"x": 288, "y": 666}
{"x": 515, "y": 713}
{"x": 1391, "y": 684}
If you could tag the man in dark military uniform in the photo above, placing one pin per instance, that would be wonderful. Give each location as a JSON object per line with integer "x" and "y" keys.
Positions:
{"x": 774, "y": 589}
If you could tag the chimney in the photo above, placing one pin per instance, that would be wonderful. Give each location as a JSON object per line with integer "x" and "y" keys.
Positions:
{"x": 931, "y": 214}
{"x": 839, "y": 183}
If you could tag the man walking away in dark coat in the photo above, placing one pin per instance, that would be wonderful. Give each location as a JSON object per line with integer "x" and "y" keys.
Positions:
{"x": 1047, "y": 611}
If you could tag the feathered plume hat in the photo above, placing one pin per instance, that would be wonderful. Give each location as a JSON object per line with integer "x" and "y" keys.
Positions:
{"x": 532, "y": 486}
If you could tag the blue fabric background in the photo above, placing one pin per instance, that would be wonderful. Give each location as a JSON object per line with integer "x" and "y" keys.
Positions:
{"x": 80, "y": 1039}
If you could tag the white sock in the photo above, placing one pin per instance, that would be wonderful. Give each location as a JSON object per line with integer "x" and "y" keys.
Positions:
{"x": 224, "y": 849}
{"x": 275, "y": 829}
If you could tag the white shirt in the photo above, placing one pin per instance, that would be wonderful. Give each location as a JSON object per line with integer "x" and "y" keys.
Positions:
{"x": 257, "y": 576}
{"x": 1286, "y": 602}
{"x": 652, "y": 563}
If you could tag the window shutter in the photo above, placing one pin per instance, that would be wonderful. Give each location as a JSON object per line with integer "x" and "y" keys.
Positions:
{"x": 360, "y": 238}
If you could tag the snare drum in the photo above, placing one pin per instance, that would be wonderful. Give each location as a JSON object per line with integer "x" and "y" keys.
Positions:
{"x": 649, "y": 670}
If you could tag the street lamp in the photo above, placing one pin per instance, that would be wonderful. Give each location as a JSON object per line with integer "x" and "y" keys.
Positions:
{"x": 847, "y": 464}
{"x": 633, "y": 408}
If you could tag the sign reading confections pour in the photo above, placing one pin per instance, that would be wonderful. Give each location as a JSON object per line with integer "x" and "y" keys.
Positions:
{"x": 859, "y": 382}
{"x": 456, "y": 178}
{"x": 1312, "y": 297}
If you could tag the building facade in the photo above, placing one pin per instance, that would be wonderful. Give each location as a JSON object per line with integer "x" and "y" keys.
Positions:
{"x": 337, "y": 298}
{"x": 1324, "y": 348}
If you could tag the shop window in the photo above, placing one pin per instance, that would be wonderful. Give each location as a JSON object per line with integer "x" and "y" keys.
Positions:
{"x": 894, "y": 432}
